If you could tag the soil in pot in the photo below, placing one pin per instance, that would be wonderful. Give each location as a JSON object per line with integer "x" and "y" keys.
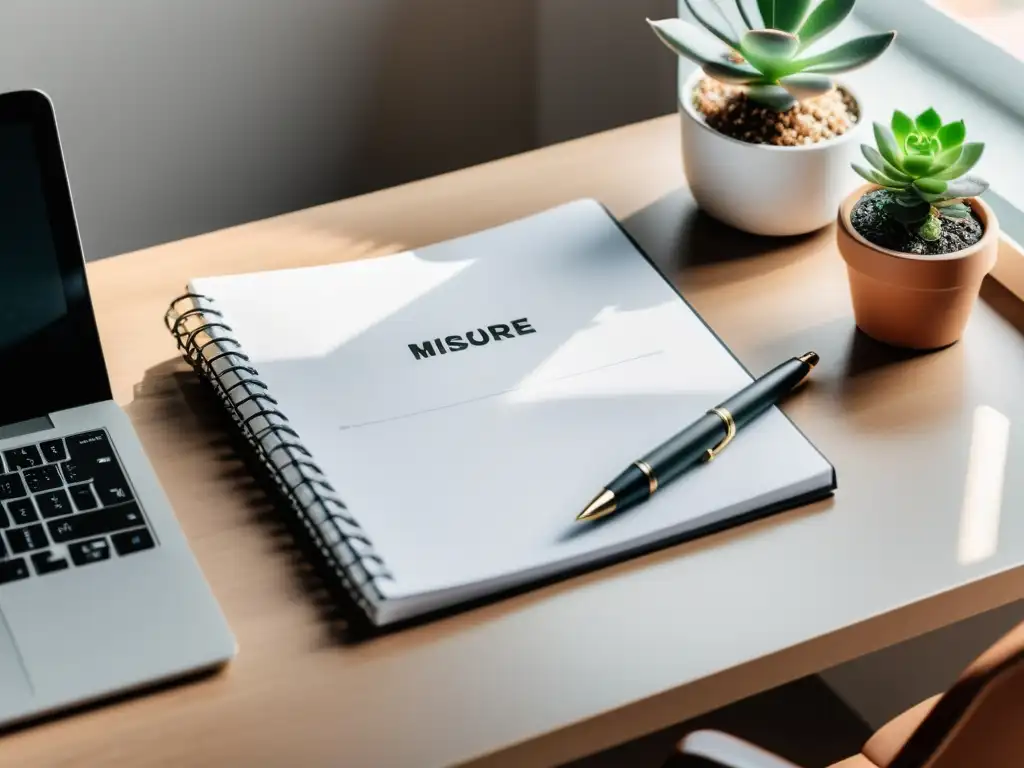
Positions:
{"x": 869, "y": 219}
{"x": 728, "y": 110}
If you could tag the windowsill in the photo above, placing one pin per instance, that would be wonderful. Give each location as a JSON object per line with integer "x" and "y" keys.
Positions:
{"x": 902, "y": 80}
{"x": 1009, "y": 270}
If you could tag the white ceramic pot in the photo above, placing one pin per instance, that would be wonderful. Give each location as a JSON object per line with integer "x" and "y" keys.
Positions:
{"x": 762, "y": 188}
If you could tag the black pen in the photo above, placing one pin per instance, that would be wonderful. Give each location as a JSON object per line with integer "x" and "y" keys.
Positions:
{"x": 699, "y": 442}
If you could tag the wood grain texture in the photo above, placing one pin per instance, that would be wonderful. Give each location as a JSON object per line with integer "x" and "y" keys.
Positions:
{"x": 563, "y": 671}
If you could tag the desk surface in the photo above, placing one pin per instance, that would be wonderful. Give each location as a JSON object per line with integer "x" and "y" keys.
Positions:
{"x": 596, "y": 660}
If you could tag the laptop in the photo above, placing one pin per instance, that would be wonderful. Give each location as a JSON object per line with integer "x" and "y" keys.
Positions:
{"x": 99, "y": 592}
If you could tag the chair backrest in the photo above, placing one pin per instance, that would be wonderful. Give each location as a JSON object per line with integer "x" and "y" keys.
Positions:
{"x": 979, "y": 722}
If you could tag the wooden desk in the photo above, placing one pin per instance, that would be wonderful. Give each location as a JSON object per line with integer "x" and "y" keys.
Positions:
{"x": 597, "y": 660}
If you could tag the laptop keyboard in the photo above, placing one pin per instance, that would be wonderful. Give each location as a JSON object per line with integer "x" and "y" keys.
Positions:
{"x": 66, "y": 503}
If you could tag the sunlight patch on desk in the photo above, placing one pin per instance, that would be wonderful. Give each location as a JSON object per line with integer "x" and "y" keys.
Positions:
{"x": 983, "y": 490}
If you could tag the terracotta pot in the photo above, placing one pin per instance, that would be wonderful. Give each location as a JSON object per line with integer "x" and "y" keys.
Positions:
{"x": 919, "y": 302}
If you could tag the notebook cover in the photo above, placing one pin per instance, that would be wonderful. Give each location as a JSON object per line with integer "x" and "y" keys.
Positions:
{"x": 362, "y": 627}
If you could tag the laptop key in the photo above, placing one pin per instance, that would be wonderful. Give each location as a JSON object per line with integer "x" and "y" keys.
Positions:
{"x": 5, "y": 521}
{"x": 132, "y": 541}
{"x": 23, "y": 458}
{"x": 42, "y": 478}
{"x": 110, "y": 484}
{"x": 91, "y": 551}
{"x": 76, "y": 471}
{"x": 87, "y": 524}
{"x": 22, "y": 511}
{"x": 45, "y": 562}
{"x": 83, "y": 497}
{"x": 54, "y": 503}
{"x": 53, "y": 451}
{"x": 11, "y": 486}
{"x": 89, "y": 446}
{"x": 22, "y": 540}
{"x": 13, "y": 570}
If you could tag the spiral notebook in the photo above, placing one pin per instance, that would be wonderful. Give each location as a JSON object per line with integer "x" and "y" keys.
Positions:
{"x": 437, "y": 418}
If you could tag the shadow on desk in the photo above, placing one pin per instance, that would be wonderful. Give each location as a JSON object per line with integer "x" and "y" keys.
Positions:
{"x": 173, "y": 394}
{"x": 679, "y": 236}
{"x": 110, "y": 701}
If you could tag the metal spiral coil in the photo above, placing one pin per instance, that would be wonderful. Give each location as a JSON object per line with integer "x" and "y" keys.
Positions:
{"x": 201, "y": 335}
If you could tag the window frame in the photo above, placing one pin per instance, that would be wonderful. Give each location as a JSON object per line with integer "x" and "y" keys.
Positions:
{"x": 932, "y": 33}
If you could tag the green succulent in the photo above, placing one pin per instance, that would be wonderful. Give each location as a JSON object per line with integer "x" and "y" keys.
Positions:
{"x": 925, "y": 164}
{"x": 771, "y": 60}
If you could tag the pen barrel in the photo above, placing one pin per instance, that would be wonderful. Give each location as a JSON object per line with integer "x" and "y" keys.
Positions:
{"x": 750, "y": 402}
{"x": 631, "y": 487}
{"x": 684, "y": 449}
{"x": 689, "y": 447}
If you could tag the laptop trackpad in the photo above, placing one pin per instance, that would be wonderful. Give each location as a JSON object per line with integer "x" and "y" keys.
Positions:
{"x": 15, "y": 690}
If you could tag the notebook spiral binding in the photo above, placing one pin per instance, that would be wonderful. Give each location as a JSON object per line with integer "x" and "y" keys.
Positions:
{"x": 204, "y": 341}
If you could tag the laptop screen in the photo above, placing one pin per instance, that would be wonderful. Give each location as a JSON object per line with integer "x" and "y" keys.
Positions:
{"x": 50, "y": 358}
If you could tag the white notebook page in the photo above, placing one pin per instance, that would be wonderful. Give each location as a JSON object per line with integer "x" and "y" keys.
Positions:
{"x": 468, "y": 468}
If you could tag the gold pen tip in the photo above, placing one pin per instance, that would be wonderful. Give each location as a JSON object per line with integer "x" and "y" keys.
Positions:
{"x": 601, "y": 505}
{"x": 811, "y": 358}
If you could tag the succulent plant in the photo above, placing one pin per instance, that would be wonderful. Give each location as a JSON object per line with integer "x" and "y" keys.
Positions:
{"x": 925, "y": 164}
{"x": 771, "y": 60}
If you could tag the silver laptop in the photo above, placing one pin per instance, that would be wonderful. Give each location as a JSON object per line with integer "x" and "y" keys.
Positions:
{"x": 99, "y": 593}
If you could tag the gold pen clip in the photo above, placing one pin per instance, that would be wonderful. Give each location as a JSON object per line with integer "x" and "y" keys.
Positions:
{"x": 730, "y": 432}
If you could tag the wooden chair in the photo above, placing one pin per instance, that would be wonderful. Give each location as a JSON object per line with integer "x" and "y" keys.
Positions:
{"x": 978, "y": 723}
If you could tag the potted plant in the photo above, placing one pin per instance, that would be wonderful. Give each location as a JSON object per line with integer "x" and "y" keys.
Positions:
{"x": 767, "y": 134}
{"x": 917, "y": 241}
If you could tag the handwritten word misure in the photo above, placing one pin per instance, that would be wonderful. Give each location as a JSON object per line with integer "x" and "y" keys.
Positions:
{"x": 475, "y": 338}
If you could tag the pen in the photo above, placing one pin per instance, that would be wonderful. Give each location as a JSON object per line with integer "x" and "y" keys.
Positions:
{"x": 699, "y": 442}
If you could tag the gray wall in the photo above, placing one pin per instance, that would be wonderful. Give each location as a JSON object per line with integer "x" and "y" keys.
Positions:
{"x": 182, "y": 116}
